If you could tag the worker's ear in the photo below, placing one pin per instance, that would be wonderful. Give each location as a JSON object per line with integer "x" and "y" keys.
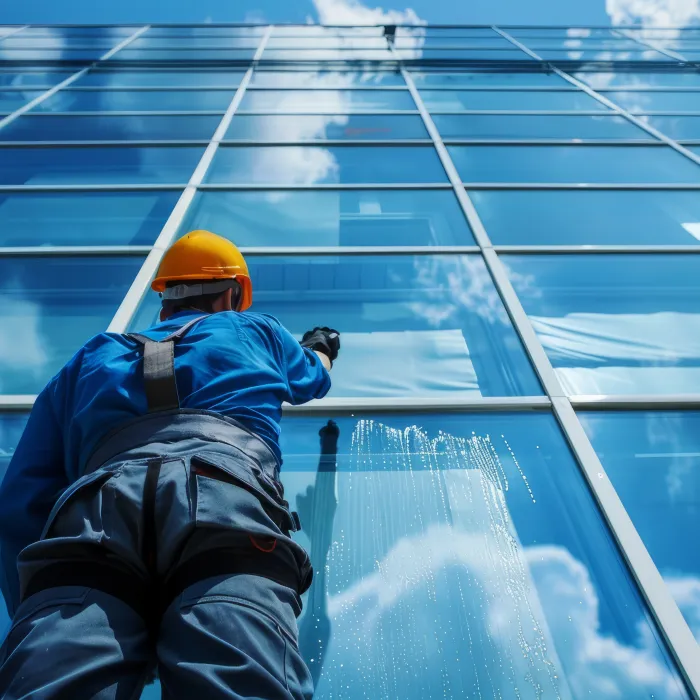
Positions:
{"x": 224, "y": 302}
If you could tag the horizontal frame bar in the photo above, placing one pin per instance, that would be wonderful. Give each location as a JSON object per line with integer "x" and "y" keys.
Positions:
{"x": 635, "y": 402}
{"x": 137, "y": 250}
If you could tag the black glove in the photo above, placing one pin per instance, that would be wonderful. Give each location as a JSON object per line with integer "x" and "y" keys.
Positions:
{"x": 323, "y": 339}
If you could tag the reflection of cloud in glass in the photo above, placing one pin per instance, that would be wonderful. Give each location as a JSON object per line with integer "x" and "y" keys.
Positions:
{"x": 22, "y": 347}
{"x": 686, "y": 592}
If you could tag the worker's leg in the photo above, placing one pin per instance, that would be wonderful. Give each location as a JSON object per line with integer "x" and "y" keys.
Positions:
{"x": 229, "y": 638}
{"x": 74, "y": 642}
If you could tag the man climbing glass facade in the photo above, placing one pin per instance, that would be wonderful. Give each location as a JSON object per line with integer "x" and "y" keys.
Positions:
{"x": 502, "y": 223}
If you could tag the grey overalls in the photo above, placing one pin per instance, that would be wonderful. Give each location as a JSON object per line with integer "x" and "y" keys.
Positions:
{"x": 173, "y": 549}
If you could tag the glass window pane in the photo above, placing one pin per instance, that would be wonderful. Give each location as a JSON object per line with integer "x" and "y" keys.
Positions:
{"x": 161, "y": 78}
{"x": 615, "y": 324}
{"x": 331, "y": 218}
{"x": 531, "y": 126}
{"x": 286, "y": 165}
{"x": 333, "y": 101}
{"x": 136, "y": 100}
{"x": 589, "y": 217}
{"x": 441, "y": 312}
{"x": 208, "y": 31}
{"x": 52, "y": 306}
{"x": 511, "y": 99}
{"x": 520, "y": 80}
{"x": 581, "y": 44}
{"x": 10, "y": 100}
{"x": 463, "y": 556}
{"x": 19, "y": 41}
{"x": 110, "y": 128}
{"x": 219, "y": 42}
{"x": 316, "y": 30}
{"x": 607, "y": 55}
{"x": 98, "y": 165}
{"x": 677, "y": 127}
{"x": 512, "y": 54}
{"x": 656, "y": 101}
{"x": 651, "y": 458}
{"x": 562, "y": 33}
{"x": 604, "y": 80}
{"x": 48, "y": 55}
{"x": 470, "y": 42}
{"x": 118, "y": 33}
{"x": 32, "y": 78}
{"x": 303, "y": 127}
{"x": 328, "y": 55}
{"x": 327, "y": 42}
{"x": 83, "y": 218}
{"x": 573, "y": 164}
{"x": 183, "y": 55}
{"x": 324, "y": 78}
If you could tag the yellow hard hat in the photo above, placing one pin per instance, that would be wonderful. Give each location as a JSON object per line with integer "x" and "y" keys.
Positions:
{"x": 201, "y": 255}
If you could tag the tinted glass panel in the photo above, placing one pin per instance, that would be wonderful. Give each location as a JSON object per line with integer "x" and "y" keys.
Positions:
{"x": 440, "y": 312}
{"x": 184, "y": 56}
{"x": 162, "y": 78}
{"x": 591, "y": 217}
{"x": 48, "y": 55}
{"x": 635, "y": 79}
{"x": 53, "y": 305}
{"x": 32, "y": 78}
{"x": 656, "y": 101}
{"x": 83, "y": 218}
{"x": 512, "y": 99}
{"x": 321, "y": 78}
{"x": 284, "y": 165}
{"x": 520, "y": 80}
{"x": 561, "y": 33}
{"x": 531, "y": 126}
{"x": 676, "y": 127}
{"x": 126, "y": 100}
{"x": 326, "y": 100}
{"x": 212, "y": 31}
{"x": 327, "y": 42}
{"x": 606, "y": 55}
{"x": 332, "y": 218}
{"x": 581, "y": 44}
{"x": 450, "y": 563}
{"x": 88, "y": 166}
{"x": 573, "y": 164}
{"x": 10, "y": 100}
{"x": 476, "y": 54}
{"x": 301, "y": 127}
{"x": 615, "y": 324}
{"x": 211, "y": 42}
{"x": 328, "y": 55}
{"x": 652, "y": 461}
{"x": 106, "y": 128}
{"x": 19, "y": 41}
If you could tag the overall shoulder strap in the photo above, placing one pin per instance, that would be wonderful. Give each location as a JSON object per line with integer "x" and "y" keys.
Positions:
{"x": 159, "y": 378}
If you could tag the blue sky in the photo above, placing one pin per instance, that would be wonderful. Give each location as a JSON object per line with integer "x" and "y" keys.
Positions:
{"x": 432, "y": 11}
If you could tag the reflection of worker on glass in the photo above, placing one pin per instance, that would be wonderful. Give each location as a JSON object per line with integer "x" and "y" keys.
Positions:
{"x": 317, "y": 510}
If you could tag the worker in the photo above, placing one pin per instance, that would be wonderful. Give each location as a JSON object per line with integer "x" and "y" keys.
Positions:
{"x": 142, "y": 519}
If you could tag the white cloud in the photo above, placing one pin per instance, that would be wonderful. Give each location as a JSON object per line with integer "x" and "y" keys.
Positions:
{"x": 654, "y": 13}
{"x": 355, "y": 13}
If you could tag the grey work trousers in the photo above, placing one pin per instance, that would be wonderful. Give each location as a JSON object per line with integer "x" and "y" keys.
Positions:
{"x": 227, "y": 637}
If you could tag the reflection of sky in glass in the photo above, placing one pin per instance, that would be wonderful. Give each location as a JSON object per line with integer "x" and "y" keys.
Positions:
{"x": 651, "y": 458}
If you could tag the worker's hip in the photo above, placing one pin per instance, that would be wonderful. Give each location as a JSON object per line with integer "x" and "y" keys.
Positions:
{"x": 164, "y": 502}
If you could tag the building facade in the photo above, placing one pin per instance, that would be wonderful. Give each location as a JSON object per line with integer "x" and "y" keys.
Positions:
{"x": 503, "y": 223}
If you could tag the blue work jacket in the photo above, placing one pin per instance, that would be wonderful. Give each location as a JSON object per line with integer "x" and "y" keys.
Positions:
{"x": 241, "y": 365}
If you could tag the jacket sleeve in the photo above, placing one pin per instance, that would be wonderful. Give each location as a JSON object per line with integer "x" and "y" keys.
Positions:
{"x": 307, "y": 378}
{"x": 34, "y": 479}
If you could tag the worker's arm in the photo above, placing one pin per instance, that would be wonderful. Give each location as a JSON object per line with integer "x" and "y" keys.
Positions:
{"x": 34, "y": 479}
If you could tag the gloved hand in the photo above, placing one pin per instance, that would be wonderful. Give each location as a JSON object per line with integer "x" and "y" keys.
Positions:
{"x": 323, "y": 339}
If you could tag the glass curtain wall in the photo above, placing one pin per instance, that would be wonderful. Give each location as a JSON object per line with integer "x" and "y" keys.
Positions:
{"x": 503, "y": 223}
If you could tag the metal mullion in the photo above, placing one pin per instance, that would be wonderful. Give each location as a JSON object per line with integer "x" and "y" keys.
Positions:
{"x": 142, "y": 88}
{"x": 527, "y": 112}
{"x": 76, "y": 76}
{"x": 623, "y": 112}
{"x": 651, "y": 88}
{"x": 330, "y": 186}
{"x": 552, "y": 142}
{"x": 40, "y": 251}
{"x": 139, "y": 287}
{"x": 121, "y": 142}
{"x": 292, "y": 251}
{"x": 120, "y": 187}
{"x": 635, "y": 402}
{"x": 330, "y": 142}
{"x": 597, "y": 249}
{"x": 663, "y": 113}
{"x": 493, "y": 88}
{"x": 130, "y": 113}
{"x": 351, "y": 405}
{"x": 14, "y": 31}
{"x": 671, "y": 54}
{"x": 325, "y": 88}
{"x": 678, "y": 636}
{"x": 580, "y": 186}
{"x": 316, "y": 113}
